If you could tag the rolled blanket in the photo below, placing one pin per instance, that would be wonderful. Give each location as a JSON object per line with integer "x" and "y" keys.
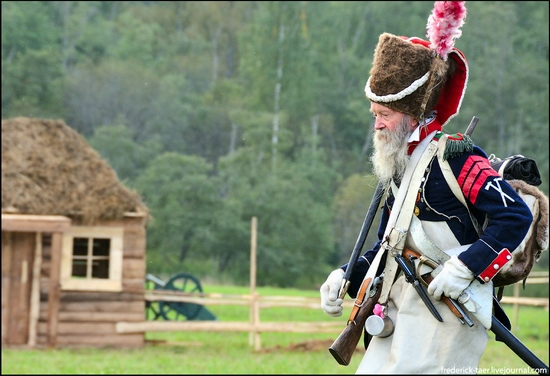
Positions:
{"x": 518, "y": 167}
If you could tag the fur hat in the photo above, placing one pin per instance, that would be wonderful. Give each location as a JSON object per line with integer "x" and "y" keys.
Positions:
{"x": 414, "y": 76}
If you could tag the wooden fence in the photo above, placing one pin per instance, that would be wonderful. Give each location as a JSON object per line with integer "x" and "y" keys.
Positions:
{"x": 254, "y": 326}
{"x": 256, "y": 302}
{"x": 253, "y": 300}
{"x": 516, "y": 300}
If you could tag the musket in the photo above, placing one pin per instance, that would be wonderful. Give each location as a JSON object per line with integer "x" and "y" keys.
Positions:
{"x": 345, "y": 345}
{"x": 367, "y": 222}
{"x": 518, "y": 347}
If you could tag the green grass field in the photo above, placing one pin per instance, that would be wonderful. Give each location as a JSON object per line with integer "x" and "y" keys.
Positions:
{"x": 231, "y": 353}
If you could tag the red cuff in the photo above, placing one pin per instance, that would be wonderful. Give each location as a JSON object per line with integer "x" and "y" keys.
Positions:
{"x": 502, "y": 259}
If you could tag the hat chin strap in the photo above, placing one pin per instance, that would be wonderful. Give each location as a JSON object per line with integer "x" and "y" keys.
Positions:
{"x": 395, "y": 97}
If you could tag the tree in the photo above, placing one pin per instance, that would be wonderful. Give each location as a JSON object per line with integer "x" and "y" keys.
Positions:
{"x": 183, "y": 201}
{"x": 110, "y": 93}
{"x": 294, "y": 214}
{"x": 241, "y": 87}
{"x": 31, "y": 64}
{"x": 128, "y": 158}
{"x": 80, "y": 27}
{"x": 351, "y": 204}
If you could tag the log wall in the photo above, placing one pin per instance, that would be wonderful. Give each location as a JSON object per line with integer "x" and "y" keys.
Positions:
{"x": 88, "y": 318}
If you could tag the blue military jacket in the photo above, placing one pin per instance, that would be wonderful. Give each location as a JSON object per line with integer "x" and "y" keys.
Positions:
{"x": 492, "y": 201}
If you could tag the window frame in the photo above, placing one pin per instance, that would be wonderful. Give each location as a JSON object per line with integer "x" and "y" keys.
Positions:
{"x": 114, "y": 281}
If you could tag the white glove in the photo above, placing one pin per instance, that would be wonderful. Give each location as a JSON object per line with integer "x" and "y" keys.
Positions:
{"x": 330, "y": 303}
{"x": 452, "y": 280}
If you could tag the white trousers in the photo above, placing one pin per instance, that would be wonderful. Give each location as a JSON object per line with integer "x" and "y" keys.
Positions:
{"x": 420, "y": 343}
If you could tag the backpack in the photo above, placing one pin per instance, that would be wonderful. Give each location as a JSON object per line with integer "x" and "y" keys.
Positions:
{"x": 523, "y": 175}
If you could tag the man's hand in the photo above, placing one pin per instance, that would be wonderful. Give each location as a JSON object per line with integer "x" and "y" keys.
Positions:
{"x": 452, "y": 280}
{"x": 330, "y": 302}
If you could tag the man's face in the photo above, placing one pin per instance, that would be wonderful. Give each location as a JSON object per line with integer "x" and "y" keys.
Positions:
{"x": 386, "y": 118}
{"x": 392, "y": 130}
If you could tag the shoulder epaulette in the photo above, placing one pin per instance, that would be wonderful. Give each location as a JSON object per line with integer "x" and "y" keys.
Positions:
{"x": 457, "y": 144}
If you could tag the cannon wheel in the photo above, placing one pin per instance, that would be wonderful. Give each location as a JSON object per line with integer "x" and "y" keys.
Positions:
{"x": 152, "y": 310}
{"x": 184, "y": 282}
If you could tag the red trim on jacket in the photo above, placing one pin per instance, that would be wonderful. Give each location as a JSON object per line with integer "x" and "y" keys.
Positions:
{"x": 473, "y": 175}
{"x": 502, "y": 259}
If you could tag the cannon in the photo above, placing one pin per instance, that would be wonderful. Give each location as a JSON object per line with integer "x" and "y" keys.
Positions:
{"x": 176, "y": 311}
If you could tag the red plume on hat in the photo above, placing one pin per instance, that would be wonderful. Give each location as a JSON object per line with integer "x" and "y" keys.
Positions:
{"x": 415, "y": 76}
{"x": 443, "y": 29}
{"x": 444, "y": 26}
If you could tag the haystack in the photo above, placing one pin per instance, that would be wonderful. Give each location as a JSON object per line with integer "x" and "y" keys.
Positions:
{"x": 49, "y": 169}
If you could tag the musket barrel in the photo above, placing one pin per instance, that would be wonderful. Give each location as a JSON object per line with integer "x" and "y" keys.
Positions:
{"x": 367, "y": 223}
{"x": 517, "y": 347}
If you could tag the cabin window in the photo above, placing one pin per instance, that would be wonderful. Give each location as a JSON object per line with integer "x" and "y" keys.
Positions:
{"x": 92, "y": 259}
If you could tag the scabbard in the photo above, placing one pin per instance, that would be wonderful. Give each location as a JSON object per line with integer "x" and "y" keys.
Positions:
{"x": 410, "y": 277}
{"x": 424, "y": 296}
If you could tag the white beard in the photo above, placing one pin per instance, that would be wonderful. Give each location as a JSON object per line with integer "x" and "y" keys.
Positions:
{"x": 390, "y": 156}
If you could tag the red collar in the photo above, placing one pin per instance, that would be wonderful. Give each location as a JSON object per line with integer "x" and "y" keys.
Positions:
{"x": 425, "y": 130}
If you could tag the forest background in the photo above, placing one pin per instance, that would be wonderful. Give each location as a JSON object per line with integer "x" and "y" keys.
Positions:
{"x": 216, "y": 112}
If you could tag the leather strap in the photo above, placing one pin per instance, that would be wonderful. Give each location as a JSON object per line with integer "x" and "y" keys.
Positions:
{"x": 359, "y": 300}
{"x": 403, "y": 208}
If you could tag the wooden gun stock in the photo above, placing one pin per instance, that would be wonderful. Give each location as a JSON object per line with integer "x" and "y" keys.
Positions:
{"x": 344, "y": 346}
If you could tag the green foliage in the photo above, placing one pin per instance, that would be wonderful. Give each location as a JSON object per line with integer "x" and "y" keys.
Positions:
{"x": 137, "y": 41}
{"x": 267, "y": 97}
{"x": 183, "y": 201}
{"x": 31, "y": 62}
{"x": 294, "y": 218}
{"x": 26, "y": 25}
{"x": 351, "y": 206}
{"x": 33, "y": 84}
{"x": 110, "y": 93}
{"x": 116, "y": 144}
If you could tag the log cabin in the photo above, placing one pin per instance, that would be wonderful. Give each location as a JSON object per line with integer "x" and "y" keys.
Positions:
{"x": 73, "y": 241}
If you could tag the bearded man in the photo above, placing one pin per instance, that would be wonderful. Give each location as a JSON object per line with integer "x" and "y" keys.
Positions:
{"x": 414, "y": 91}
{"x": 392, "y": 130}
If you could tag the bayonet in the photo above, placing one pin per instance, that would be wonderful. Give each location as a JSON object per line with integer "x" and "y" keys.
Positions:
{"x": 411, "y": 278}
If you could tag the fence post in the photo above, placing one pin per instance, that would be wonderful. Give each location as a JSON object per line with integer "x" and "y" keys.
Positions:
{"x": 254, "y": 336}
{"x": 516, "y": 306}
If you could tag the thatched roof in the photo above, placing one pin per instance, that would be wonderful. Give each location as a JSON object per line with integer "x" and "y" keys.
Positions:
{"x": 49, "y": 169}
